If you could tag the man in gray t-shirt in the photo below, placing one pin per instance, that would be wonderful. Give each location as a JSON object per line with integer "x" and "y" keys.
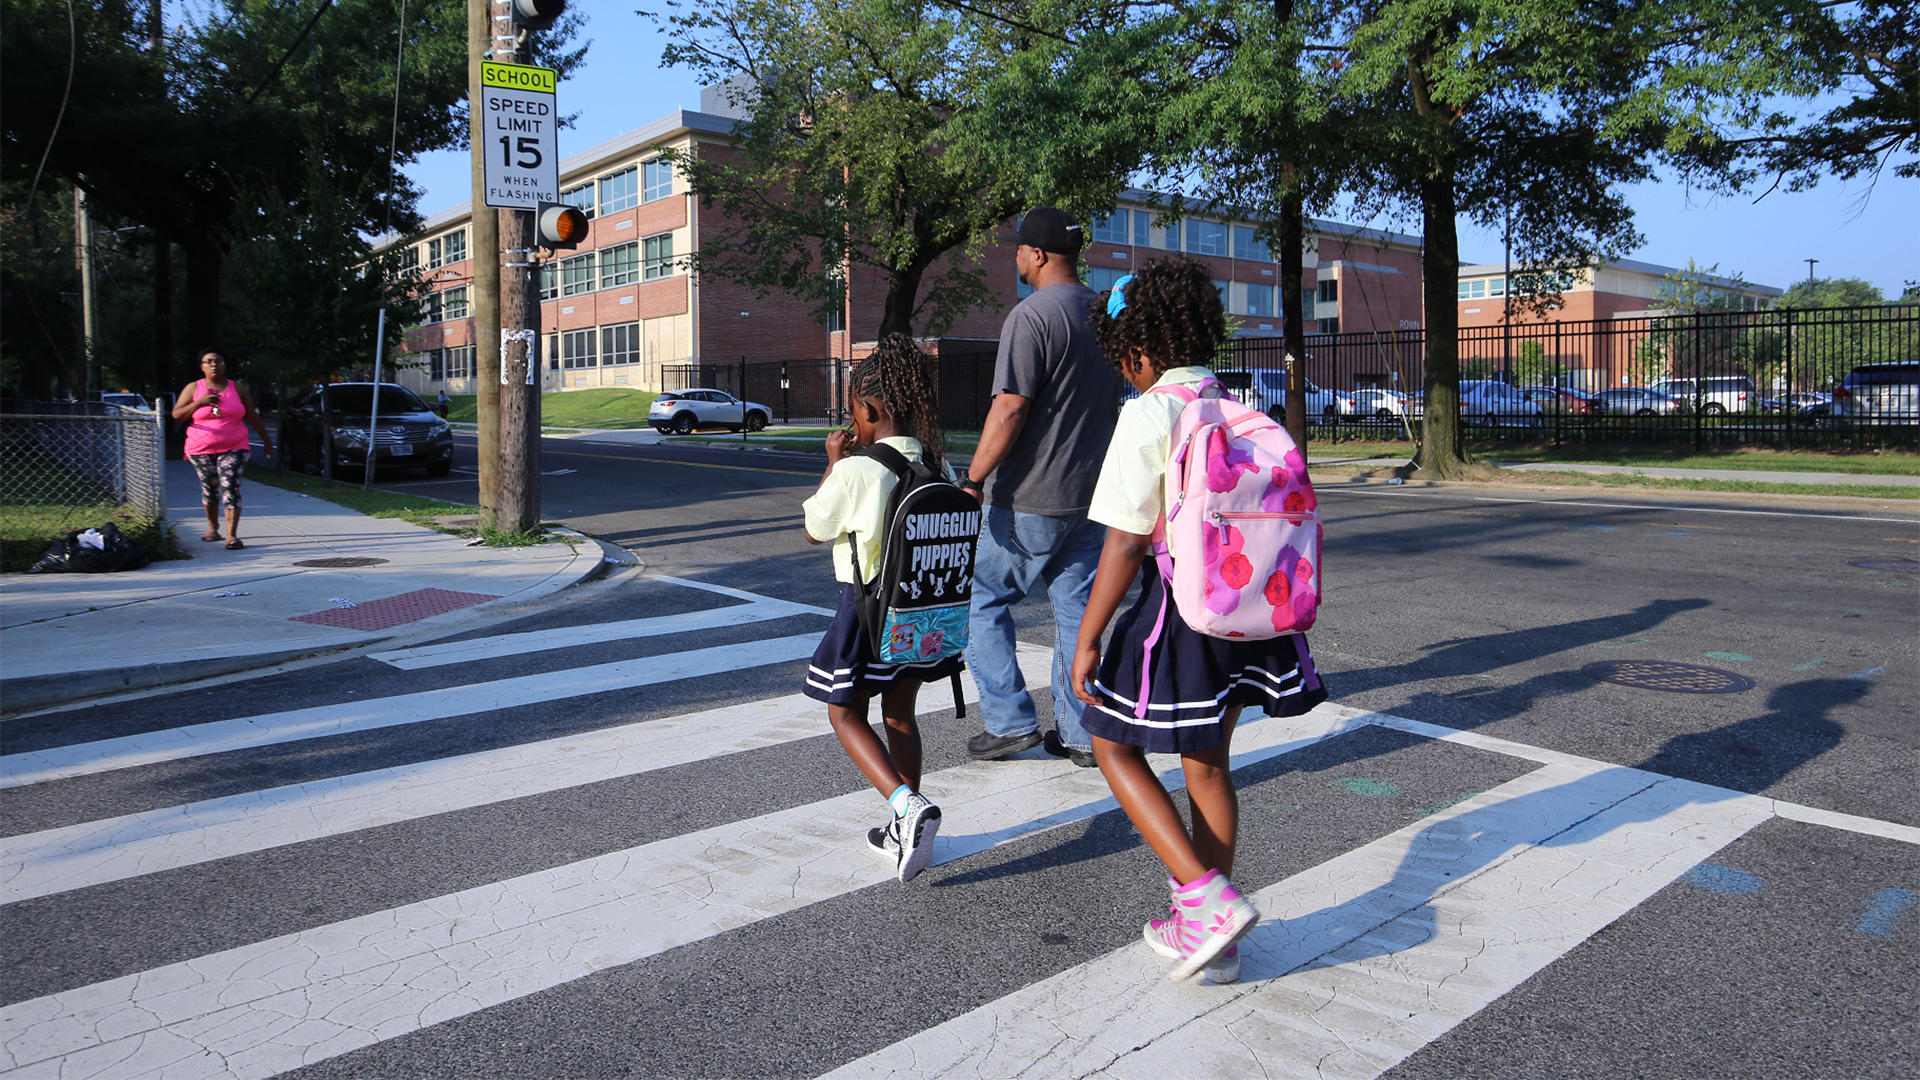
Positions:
{"x": 1055, "y": 402}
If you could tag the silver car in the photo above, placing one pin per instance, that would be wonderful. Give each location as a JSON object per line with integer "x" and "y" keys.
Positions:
{"x": 1487, "y": 401}
{"x": 1879, "y": 394}
{"x": 1267, "y": 391}
{"x": 1638, "y": 401}
{"x": 1717, "y": 393}
{"x": 679, "y": 412}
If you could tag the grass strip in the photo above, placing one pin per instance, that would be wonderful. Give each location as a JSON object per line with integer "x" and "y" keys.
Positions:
{"x": 606, "y": 408}
{"x": 26, "y": 532}
{"x": 1629, "y": 481}
{"x": 413, "y": 509}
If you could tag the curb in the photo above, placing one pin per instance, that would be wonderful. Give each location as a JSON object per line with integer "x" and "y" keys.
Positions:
{"x": 35, "y": 692}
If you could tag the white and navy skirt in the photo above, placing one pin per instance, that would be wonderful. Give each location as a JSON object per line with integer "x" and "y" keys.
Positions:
{"x": 1188, "y": 679}
{"x": 842, "y": 668}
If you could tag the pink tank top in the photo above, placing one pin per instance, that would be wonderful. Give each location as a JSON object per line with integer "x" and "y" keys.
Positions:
{"x": 210, "y": 434}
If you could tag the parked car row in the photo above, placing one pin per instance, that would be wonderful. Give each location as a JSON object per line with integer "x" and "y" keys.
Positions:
{"x": 406, "y": 433}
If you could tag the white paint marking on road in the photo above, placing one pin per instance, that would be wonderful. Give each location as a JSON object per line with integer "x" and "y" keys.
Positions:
{"x": 260, "y": 1009}
{"x": 1865, "y": 674}
{"x": 566, "y": 637}
{"x": 221, "y": 736}
{"x": 1586, "y": 505}
{"x": 77, "y": 856}
{"x": 1366, "y": 958}
{"x": 736, "y": 593}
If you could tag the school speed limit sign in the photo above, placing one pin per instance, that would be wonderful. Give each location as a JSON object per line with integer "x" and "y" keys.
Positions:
{"x": 522, "y": 144}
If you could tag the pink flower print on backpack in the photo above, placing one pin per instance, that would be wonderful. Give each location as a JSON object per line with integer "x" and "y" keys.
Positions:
{"x": 1239, "y": 547}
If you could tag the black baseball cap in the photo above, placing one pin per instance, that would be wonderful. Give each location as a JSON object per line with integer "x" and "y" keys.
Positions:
{"x": 1052, "y": 231}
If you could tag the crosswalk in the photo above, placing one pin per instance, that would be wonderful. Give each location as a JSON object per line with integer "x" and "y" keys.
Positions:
{"x": 1364, "y": 959}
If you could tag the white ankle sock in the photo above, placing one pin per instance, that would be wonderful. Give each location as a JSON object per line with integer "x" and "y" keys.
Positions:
{"x": 898, "y": 800}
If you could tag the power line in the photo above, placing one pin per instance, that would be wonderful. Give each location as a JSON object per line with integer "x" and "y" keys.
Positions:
{"x": 284, "y": 57}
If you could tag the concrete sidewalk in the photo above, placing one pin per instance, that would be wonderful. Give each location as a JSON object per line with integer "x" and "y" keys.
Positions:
{"x": 65, "y": 637}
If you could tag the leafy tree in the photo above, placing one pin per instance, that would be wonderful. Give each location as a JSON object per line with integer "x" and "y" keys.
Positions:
{"x": 1694, "y": 288}
{"x": 1831, "y": 293}
{"x": 881, "y": 134}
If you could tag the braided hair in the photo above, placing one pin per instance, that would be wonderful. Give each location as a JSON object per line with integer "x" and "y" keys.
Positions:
{"x": 1172, "y": 317}
{"x": 895, "y": 375}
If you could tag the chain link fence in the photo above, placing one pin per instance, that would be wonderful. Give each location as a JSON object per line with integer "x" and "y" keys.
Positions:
{"x": 68, "y": 466}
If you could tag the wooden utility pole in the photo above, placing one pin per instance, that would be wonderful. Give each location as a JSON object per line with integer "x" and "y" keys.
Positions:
{"x": 506, "y": 307}
{"x": 88, "y": 376}
{"x": 162, "y": 245}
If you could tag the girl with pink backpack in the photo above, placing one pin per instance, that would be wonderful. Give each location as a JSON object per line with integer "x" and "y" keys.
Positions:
{"x": 1218, "y": 623}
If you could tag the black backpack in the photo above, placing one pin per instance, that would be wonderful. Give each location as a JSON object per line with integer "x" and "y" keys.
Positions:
{"x": 916, "y": 611}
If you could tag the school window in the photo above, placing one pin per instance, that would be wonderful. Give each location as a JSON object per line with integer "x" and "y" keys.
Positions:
{"x": 409, "y": 257}
{"x": 576, "y": 275}
{"x": 576, "y": 348}
{"x": 836, "y": 321}
{"x": 433, "y": 254}
{"x": 1111, "y": 229}
{"x": 620, "y": 265}
{"x": 1329, "y": 326}
{"x": 1173, "y": 236}
{"x": 454, "y": 304}
{"x": 620, "y": 344}
{"x": 1102, "y": 278}
{"x": 1022, "y": 290}
{"x": 456, "y": 245}
{"x": 1497, "y": 287}
{"x": 1473, "y": 290}
{"x": 553, "y": 352}
{"x": 1225, "y": 289}
{"x": 1206, "y": 237}
{"x": 430, "y": 310}
{"x": 656, "y": 257}
{"x": 436, "y": 364}
{"x": 549, "y": 281}
{"x": 1260, "y": 300}
{"x": 1330, "y": 291}
{"x": 458, "y": 361}
{"x": 580, "y": 197}
{"x": 1141, "y": 220}
{"x": 619, "y": 190}
{"x": 657, "y": 179}
{"x": 1248, "y": 245}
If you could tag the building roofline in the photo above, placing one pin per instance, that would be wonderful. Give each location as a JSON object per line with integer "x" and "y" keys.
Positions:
{"x": 1339, "y": 229}
{"x": 1478, "y": 269}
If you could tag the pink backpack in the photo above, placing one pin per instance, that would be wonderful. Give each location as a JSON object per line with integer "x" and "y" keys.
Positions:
{"x": 1239, "y": 545}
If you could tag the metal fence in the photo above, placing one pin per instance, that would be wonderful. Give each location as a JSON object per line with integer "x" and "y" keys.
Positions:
{"x": 1788, "y": 357}
{"x": 66, "y": 466}
{"x": 1785, "y": 362}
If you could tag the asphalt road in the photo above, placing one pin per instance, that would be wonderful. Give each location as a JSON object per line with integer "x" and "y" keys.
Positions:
{"x": 1792, "y": 950}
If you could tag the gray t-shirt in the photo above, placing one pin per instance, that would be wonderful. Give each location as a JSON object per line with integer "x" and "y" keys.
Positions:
{"x": 1049, "y": 355}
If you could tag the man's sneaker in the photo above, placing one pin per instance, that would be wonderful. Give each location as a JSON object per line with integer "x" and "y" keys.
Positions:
{"x": 1051, "y": 744}
{"x": 885, "y": 842}
{"x": 915, "y": 830}
{"x": 1220, "y": 914}
{"x": 987, "y": 746}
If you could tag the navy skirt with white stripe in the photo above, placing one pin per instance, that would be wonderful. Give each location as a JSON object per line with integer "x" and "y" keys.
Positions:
{"x": 1191, "y": 680}
{"x": 841, "y": 671}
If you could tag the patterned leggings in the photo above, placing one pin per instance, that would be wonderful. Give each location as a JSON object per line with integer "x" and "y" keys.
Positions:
{"x": 220, "y": 477}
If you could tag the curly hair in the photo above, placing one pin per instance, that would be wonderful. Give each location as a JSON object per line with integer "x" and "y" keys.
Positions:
{"x": 895, "y": 375}
{"x": 1173, "y": 317}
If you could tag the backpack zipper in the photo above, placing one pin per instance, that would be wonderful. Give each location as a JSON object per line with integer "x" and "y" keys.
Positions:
{"x": 1298, "y": 518}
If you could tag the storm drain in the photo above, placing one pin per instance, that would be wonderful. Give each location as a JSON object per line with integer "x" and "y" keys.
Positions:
{"x": 1671, "y": 677}
{"x": 1897, "y": 566}
{"x": 341, "y": 563}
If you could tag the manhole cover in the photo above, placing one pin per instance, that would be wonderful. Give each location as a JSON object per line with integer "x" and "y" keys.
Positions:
{"x": 1671, "y": 677}
{"x": 339, "y": 563}
{"x": 1898, "y": 566}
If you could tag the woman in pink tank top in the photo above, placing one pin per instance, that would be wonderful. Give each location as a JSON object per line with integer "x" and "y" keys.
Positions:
{"x": 219, "y": 412}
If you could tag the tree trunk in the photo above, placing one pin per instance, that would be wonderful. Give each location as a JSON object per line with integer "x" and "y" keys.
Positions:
{"x": 203, "y": 294}
{"x": 903, "y": 288}
{"x": 163, "y": 359}
{"x": 1442, "y": 453}
{"x": 1293, "y": 228}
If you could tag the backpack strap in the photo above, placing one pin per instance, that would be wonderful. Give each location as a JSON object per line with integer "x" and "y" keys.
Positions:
{"x": 902, "y": 470}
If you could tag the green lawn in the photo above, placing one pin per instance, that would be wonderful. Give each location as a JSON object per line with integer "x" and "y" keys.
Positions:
{"x": 417, "y": 509}
{"x": 44, "y": 502}
{"x": 1881, "y": 463}
{"x": 606, "y": 408}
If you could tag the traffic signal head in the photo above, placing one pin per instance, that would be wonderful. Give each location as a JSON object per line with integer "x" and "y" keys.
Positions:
{"x": 538, "y": 14}
{"x": 560, "y": 226}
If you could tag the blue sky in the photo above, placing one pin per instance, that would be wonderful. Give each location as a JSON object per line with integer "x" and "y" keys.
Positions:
{"x": 1854, "y": 230}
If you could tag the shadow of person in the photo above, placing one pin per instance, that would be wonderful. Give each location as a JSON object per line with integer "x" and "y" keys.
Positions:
{"x": 1593, "y": 812}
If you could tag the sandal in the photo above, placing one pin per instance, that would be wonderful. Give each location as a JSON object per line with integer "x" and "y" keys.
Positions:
{"x": 211, "y": 536}
{"x": 235, "y": 544}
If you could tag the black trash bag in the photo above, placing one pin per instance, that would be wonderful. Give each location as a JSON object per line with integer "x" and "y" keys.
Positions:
{"x": 73, "y": 555}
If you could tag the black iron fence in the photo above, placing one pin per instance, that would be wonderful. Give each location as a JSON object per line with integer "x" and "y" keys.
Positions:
{"x": 1762, "y": 377}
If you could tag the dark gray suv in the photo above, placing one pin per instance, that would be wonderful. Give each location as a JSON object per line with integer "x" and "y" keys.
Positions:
{"x": 1879, "y": 394}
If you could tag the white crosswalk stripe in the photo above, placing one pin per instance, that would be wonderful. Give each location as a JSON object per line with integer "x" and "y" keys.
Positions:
{"x": 1362, "y": 960}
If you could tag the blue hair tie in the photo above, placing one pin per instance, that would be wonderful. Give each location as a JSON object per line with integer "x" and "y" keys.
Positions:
{"x": 1117, "y": 299}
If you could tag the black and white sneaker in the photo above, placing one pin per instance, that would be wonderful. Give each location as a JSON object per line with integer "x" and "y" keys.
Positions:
{"x": 914, "y": 831}
{"x": 884, "y": 841}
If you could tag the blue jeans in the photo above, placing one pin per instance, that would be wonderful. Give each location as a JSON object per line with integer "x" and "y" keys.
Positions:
{"x": 1018, "y": 553}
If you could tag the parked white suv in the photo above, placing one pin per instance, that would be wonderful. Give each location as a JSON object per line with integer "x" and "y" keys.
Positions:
{"x": 1718, "y": 393}
{"x": 1267, "y": 391}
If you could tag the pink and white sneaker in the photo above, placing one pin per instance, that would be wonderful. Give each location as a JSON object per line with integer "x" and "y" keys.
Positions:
{"x": 1214, "y": 917}
{"x": 1178, "y": 936}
